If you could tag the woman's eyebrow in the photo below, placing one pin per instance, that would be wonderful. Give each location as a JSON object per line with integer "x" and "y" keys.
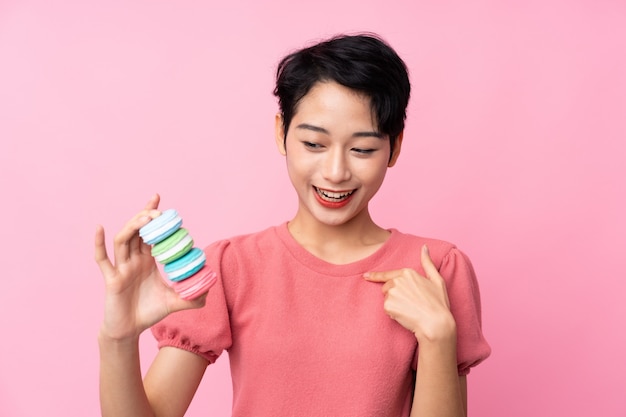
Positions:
{"x": 314, "y": 128}
{"x": 368, "y": 134}
{"x": 307, "y": 126}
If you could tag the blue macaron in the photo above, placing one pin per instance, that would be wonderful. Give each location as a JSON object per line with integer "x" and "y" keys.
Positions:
{"x": 184, "y": 267}
{"x": 161, "y": 227}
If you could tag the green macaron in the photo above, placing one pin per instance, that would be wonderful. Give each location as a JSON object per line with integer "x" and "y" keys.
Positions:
{"x": 173, "y": 247}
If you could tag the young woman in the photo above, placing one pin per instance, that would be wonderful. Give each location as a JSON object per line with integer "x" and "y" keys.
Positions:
{"x": 327, "y": 314}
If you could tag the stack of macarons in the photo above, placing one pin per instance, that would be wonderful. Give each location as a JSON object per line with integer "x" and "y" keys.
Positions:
{"x": 184, "y": 265}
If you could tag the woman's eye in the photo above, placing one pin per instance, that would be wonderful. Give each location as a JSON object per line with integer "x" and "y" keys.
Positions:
{"x": 363, "y": 151}
{"x": 311, "y": 145}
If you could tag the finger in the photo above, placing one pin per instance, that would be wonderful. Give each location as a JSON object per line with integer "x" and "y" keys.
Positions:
{"x": 153, "y": 203}
{"x": 427, "y": 264}
{"x": 123, "y": 242}
{"x": 387, "y": 286}
{"x": 137, "y": 244}
{"x": 101, "y": 257}
{"x": 383, "y": 276}
{"x": 151, "y": 206}
{"x": 182, "y": 304}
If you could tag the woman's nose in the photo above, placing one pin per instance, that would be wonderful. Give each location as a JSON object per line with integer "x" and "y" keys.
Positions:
{"x": 336, "y": 169}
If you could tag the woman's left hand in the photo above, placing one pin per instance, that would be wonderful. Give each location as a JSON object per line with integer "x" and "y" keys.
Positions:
{"x": 419, "y": 303}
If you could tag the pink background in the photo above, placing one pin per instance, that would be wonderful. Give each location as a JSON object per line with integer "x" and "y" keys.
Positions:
{"x": 516, "y": 135}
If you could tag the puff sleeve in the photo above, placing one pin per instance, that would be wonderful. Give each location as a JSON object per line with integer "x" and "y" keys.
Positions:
{"x": 204, "y": 331}
{"x": 464, "y": 296}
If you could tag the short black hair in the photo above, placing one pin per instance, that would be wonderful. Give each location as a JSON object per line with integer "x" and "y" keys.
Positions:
{"x": 363, "y": 62}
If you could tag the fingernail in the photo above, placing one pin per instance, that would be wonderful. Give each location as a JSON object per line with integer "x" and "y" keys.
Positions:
{"x": 425, "y": 249}
{"x": 366, "y": 275}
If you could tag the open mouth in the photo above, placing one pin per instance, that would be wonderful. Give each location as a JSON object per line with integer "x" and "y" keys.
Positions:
{"x": 333, "y": 196}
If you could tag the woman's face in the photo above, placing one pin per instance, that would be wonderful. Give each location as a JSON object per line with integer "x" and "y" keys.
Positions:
{"x": 336, "y": 157}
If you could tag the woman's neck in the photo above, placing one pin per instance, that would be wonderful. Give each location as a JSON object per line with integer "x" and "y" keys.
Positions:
{"x": 338, "y": 244}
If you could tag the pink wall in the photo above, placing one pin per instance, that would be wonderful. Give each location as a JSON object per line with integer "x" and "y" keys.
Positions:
{"x": 515, "y": 149}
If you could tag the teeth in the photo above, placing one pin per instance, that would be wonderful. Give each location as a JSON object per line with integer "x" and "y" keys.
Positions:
{"x": 331, "y": 196}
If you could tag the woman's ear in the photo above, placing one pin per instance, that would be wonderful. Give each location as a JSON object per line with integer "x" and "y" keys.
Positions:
{"x": 279, "y": 132}
{"x": 395, "y": 152}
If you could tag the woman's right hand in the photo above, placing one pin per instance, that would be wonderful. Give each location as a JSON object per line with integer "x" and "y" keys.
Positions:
{"x": 136, "y": 294}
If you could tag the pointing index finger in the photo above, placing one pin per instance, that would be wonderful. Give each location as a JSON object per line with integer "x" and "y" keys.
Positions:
{"x": 382, "y": 276}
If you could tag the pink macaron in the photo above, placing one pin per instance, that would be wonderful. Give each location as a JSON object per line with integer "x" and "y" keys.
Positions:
{"x": 196, "y": 285}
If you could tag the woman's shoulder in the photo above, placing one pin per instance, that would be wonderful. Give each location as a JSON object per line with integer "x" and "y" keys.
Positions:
{"x": 434, "y": 245}
{"x": 441, "y": 251}
{"x": 248, "y": 242}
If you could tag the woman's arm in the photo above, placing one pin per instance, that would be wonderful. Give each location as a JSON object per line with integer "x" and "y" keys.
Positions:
{"x": 439, "y": 391}
{"x": 173, "y": 379}
{"x": 421, "y": 305}
{"x": 167, "y": 391}
{"x": 136, "y": 297}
